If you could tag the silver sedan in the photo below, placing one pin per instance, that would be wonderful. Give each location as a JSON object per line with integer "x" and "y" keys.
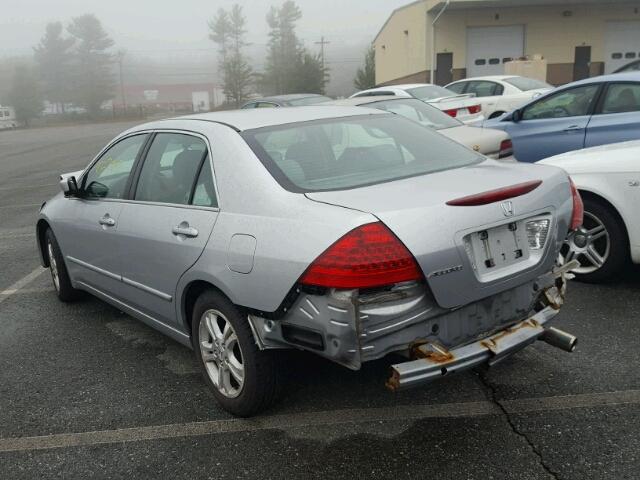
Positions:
{"x": 347, "y": 232}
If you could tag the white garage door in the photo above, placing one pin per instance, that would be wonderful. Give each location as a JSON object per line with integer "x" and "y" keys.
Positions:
{"x": 489, "y": 47}
{"x": 622, "y": 44}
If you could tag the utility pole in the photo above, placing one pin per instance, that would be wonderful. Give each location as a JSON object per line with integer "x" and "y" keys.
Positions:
{"x": 322, "y": 43}
{"x": 120, "y": 56}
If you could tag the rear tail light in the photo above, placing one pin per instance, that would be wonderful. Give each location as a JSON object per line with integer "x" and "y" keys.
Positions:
{"x": 506, "y": 149}
{"x": 578, "y": 207}
{"x": 474, "y": 109}
{"x": 366, "y": 257}
{"x": 498, "y": 195}
{"x": 452, "y": 112}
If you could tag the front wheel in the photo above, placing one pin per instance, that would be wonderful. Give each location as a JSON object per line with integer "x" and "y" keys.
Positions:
{"x": 58, "y": 269}
{"x": 244, "y": 379}
{"x": 600, "y": 244}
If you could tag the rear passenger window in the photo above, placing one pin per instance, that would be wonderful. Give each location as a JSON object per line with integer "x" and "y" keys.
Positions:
{"x": 621, "y": 98}
{"x": 170, "y": 169}
{"x": 482, "y": 88}
{"x": 204, "y": 194}
{"x": 457, "y": 87}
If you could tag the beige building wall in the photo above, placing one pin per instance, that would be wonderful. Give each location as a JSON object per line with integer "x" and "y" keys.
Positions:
{"x": 547, "y": 32}
{"x": 400, "y": 46}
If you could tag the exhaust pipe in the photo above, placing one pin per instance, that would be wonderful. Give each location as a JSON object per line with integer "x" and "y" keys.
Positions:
{"x": 562, "y": 340}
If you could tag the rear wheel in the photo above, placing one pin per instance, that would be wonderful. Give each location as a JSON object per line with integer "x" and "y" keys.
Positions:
{"x": 58, "y": 269}
{"x": 600, "y": 244}
{"x": 244, "y": 379}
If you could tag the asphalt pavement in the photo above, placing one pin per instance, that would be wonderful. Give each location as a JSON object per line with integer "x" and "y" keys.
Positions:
{"x": 88, "y": 392}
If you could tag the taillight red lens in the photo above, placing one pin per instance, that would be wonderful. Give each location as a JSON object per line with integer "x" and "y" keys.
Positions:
{"x": 474, "y": 109}
{"x": 498, "y": 195}
{"x": 368, "y": 256}
{"x": 577, "y": 216}
{"x": 452, "y": 113}
{"x": 506, "y": 149}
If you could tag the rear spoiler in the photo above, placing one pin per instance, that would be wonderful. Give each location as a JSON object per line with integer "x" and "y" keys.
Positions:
{"x": 453, "y": 97}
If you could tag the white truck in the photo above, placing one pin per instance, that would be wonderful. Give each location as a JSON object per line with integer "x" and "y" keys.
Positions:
{"x": 7, "y": 118}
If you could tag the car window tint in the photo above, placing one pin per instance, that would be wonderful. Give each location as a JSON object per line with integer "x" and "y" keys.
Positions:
{"x": 170, "y": 168}
{"x": 572, "y": 102}
{"x": 621, "y": 98}
{"x": 342, "y": 153}
{"x": 108, "y": 177}
{"x": 266, "y": 105}
{"x": 482, "y": 88}
{"x": 457, "y": 87}
{"x": 204, "y": 194}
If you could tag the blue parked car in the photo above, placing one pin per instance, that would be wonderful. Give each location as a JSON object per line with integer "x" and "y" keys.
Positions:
{"x": 595, "y": 111}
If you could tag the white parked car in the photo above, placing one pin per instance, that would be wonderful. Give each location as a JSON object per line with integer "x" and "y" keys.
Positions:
{"x": 501, "y": 93}
{"x": 495, "y": 144}
{"x": 7, "y": 118}
{"x": 465, "y": 107}
{"x": 608, "y": 178}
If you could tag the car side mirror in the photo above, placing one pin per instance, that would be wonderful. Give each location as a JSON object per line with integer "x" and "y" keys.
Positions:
{"x": 69, "y": 186}
{"x": 516, "y": 116}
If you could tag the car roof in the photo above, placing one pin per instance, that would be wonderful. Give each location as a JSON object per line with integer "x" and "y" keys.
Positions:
{"x": 487, "y": 77}
{"x": 285, "y": 98}
{"x": 248, "y": 119}
{"x": 613, "y": 77}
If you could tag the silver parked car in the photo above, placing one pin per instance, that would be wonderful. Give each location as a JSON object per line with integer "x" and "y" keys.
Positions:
{"x": 348, "y": 232}
{"x": 494, "y": 144}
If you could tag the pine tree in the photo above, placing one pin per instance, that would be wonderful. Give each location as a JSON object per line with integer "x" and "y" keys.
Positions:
{"x": 54, "y": 57}
{"x": 93, "y": 74}
{"x": 228, "y": 31}
{"x": 24, "y": 95}
{"x": 366, "y": 75}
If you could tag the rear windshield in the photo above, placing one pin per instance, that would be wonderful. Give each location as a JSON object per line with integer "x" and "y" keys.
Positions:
{"x": 418, "y": 111}
{"x": 526, "y": 84}
{"x": 429, "y": 92}
{"x": 302, "y": 102}
{"x": 348, "y": 152}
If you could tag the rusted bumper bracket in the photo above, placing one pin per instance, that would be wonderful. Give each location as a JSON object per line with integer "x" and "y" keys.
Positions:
{"x": 434, "y": 361}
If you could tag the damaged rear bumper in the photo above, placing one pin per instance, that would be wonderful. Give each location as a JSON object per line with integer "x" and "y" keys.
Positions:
{"x": 351, "y": 327}
{"x": 434, "y": 361}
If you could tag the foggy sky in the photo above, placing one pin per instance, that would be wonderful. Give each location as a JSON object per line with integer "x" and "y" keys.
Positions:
{"x": 160, "y": 28}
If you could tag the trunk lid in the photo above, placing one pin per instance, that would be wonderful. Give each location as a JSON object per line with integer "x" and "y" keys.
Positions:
{"x": 444, "y": 239}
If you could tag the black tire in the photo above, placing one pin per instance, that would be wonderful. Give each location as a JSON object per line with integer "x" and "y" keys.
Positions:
{"x": 64, "y": 289}
{"x": 262, "y": 369}
{"x": 619, "y": 251}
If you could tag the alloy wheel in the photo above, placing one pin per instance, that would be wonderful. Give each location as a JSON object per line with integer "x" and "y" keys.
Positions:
{"x": 221, "y": 353}
{"x": 53, "y": 267}
{"x": 590, "y": 245}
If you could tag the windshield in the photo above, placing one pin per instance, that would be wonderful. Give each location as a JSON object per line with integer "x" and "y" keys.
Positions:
{"x": 348, "y": 152}
{"x": 429, "y": 92}
{"x": 301, "y": 102}
{"x": 526, "y": 84}
{"x": 418, "y": 111}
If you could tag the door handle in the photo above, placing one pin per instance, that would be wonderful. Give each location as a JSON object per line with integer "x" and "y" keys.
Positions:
{"x": 107, "y": 221}
{"x": 573, "y": 128}
{"x": 185, "y": 229}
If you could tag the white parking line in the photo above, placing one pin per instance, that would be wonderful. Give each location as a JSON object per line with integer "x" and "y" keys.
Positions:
{"x": 23, "y": 282}
{"x": 326, "y": 418}
{"x": 19, "y": 187}
{"x": 25, "y": 205}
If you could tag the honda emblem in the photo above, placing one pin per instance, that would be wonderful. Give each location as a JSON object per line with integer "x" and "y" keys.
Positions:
{"x": 507, "y": 209}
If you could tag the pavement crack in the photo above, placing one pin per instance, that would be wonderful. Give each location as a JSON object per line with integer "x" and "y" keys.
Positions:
{"x": 492, "y": 395}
